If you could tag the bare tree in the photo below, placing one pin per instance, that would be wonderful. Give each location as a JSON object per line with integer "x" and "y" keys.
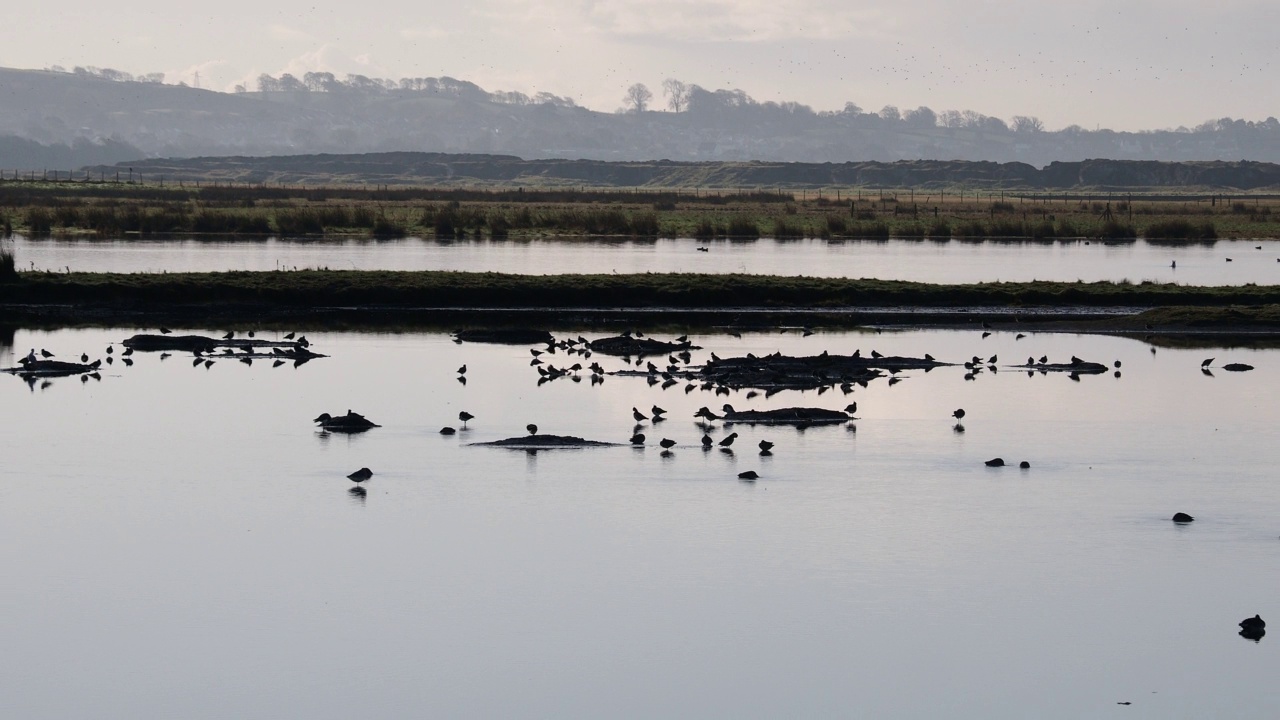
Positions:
{"x": 677, "y": 94}
{"x": 1022, "y": 123}
{"x": 638, "y": 97}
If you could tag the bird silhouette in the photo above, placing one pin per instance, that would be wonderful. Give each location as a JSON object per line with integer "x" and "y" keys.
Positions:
{"x": 1206, "y": 362}
{"x": 464, "y": 416}
{"x": 462, "y": 370}
{"x": 706, "y": 442}
{"x": 290, "y": 336}
{"x": 639, "y": 416}
{"x": 667, "y": 443}
{"x": 749, "y": 475}
{"x": 165, "y": 331}
{"x": 728, "y": 440}
{"x": 229, "y": 335}
{"x": 851, "y": 408}
{"x": 958, "y": 414}
{"x": 657, "y": 411}
{"x": 637, "y": 439}
{"x": 533, "y": 429}
{"x": 46, "y": 353}
{"x": 361, "y": 475}
{"x": 765, "y": 446}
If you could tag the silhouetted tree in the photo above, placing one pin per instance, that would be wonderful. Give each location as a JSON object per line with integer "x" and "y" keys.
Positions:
{"x": 1025, "y": 124}
{"x": 677, "y": 94}
{"x": 638, "y": 97}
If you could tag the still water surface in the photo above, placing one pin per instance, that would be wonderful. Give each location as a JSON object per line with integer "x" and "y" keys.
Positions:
{"x": 180, "y": 542}
{"x": 1252, "y": 261}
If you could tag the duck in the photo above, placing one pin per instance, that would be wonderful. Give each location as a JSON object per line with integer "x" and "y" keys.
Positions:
{"x": 351, "y": 422}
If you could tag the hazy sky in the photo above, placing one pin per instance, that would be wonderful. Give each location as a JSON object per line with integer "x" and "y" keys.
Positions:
{"x": 1126, "y": 64}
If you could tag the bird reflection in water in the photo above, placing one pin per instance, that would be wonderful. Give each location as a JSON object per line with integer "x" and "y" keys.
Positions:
{"x": 1255, "y": 635}
{"x": 357, "y": 494}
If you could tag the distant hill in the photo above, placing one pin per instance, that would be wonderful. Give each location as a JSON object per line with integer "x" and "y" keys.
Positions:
{"x": 320, "y": 114}
{"x": 404, "y": 168}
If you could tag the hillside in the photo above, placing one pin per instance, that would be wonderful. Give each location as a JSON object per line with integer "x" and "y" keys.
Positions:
{"x": 443, "y": 115}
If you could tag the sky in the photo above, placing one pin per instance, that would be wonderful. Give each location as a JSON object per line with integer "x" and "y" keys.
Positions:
{"x": 1123, "y": 64}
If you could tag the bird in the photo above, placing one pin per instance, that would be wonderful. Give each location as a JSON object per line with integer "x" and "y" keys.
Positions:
{"x": 251, "y": 333}
{"x": 958, "y": 414}
{"x": 464, "y": 416}
{"x": 995, "y": 462}
{"x": 639, "y": 416}
{"x": 1206, "y": 362}
{"x": 127, "y": 352}
{"x": 749, "y": 475}
{"x": 533, "y": 429}
{"x": 765, "y": 446}
{"x": 110, "y": 349}
{"x": 728, "y": 440}
{"x": 1044, "y": 359}
{"x": 706, "y": 442}
{"x": 667, "y": 443}
{"x": 351, "y": 422}
{"x": 46, "y": 353}
{"x": 1182, "y": 517}
{"x": 229, "y": 335}
{"x": 290, "y": 336}
{"x": 462, "y": 370}
{"x": 657, "y": 411}
{"x": 1253, "y": 624}
{"x": 361, "y": 475}
{"x": 84, "y": 357}
{"x": 637, "y": 439}
{"x": 851, "y": 408}
{"x": 446, "y": 430}
{"x": 165, "y": 331}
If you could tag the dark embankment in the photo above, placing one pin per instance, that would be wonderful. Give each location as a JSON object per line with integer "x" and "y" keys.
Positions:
{"x": 412, "y": 168}
{"x": 247, "y": 294}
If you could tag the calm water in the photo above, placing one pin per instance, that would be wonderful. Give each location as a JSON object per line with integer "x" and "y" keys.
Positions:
{"x": 892, "y": 260}
{"x": 180, "y": 542}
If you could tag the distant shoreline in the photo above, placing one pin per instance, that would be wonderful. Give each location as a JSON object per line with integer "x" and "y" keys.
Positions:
{"x": 373, "y": 298}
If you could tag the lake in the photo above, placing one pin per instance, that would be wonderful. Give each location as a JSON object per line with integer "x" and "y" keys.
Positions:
{"x": 182, "y": 542}
{"x": 1252, "y": 261}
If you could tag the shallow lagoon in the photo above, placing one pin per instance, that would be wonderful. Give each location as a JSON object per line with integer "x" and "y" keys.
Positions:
{"x": 182, "y": 542}
{"x": 1252, "y": 261}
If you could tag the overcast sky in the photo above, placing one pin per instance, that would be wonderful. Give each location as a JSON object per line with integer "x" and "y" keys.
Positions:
{"x": 1125, "y": 64}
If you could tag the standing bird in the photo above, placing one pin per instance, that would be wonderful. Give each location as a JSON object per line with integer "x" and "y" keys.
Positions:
{"x": 667, "y": 443}
{"x": 637, "y": 439}
{"x": 765, "y": 447}
{"x": 46, "y": 353}
{"x": 165, "y": 331}
{"x": 533, "y": 429}
{"x": 462, "y": 370}
{"x": 290, "y": 336}
{"x": 706, "y": 442}
{"x": 84, "y": 357}
{"x": 361, "y": 475}
{"x": 229, "y": 335}
{"x": 851, "y": 408}
{"x": 728, "y": 440}
{"x": 958, "y": 414}
{"x": 639, "y": 416}
{"x": 1206, "y": 362}
{"x": 464, "y": 416}
{"x": 657, "y": 411}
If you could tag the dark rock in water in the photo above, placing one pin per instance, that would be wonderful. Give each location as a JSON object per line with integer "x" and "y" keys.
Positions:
{"x": 539, "y": 442}
{"x": 446, "y": 430}
{"x": 621, "y": 345}
{"x": 995, "y": 462}
{"x": 1075, "y": 367}
{"x": 786, "y": 416}
{"x": 51, "y": 368}
{"x": 506, "y": 336}
{"x": 783, "y": 372}
{"x": 1024, "y": 465}
{"x": 748, "y": 475}
{"x": 1182, "y": 518}
{"x": 1237, "y": 367}
{"x": 350, "y": 423}
{"x": 1253, "y": 628}
{"x": 1254, "y": 623}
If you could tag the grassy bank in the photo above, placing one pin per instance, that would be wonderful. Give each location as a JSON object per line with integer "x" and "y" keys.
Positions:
{"x": 69, "y": 209}
{"x": 322, "y": 288}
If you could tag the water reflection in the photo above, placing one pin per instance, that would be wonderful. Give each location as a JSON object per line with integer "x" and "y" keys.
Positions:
{"x": 865, "y": 560}
{"x": 970, "y": 260}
